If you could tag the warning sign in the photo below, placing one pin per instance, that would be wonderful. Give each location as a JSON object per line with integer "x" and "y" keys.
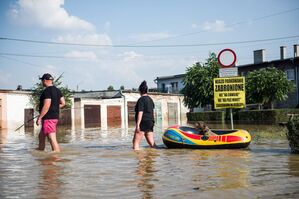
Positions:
{"x": 229, "y": 92}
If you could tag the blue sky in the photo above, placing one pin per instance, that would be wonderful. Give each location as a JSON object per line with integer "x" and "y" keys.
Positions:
{"x": 137, "y": 23}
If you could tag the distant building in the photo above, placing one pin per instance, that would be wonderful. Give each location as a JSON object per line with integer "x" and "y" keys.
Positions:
{"x": 289, "y": 65}
{"x": 170, "y": 84}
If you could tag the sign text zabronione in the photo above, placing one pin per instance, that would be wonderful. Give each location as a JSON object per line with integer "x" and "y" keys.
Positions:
{"x": 229, "y": 92}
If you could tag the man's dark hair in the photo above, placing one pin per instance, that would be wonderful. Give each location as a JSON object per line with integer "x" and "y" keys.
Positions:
{"x": 143, "y": 87}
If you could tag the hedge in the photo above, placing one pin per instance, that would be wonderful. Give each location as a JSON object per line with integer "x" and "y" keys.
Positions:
{"x": 293, "y": 134}
{"x": 206, "y": 116}
{"x": 269, "y": 116}
{"x": 272, "y": 116}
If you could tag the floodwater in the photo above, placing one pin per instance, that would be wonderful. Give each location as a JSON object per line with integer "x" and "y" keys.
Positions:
{"x": 101, "y": 164}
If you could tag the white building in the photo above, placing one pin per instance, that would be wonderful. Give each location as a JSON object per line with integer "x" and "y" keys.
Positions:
{"x": 15, "y": 108}
{"x": 116, "y": 109}
{"x": 102, "y": 109}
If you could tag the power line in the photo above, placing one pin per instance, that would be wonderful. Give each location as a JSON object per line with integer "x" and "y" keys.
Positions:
{"x": 228, "y": 26}
{"x": 4, "y": 55}
{"x": 30, "y": 55}
{"x": 30, "y": 64}
{"x": 16, "y": 60}
{"x": 149, "y": 46}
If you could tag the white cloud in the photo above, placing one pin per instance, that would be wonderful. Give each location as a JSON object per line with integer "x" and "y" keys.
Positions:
{"x": 81, "y": 55}
{"x": 150, "y": 36}
{"x": 48, "y": 14}
{"x": 130, "y": 56}
{"x": 93, "y": 39}
{"x": 194, "y": 26}
{"x": 217, "y": 26}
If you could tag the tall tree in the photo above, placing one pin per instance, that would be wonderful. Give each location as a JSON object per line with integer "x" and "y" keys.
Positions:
{"x": 110, "y": 88}
{"x": 38, "y": 89}
{"x": 198, "y": 83}
{"x": 267, "y": 85}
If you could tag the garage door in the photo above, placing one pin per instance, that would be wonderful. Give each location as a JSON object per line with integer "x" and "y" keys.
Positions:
{"x": 131, "y": 113}
{"x": 114, "y": 116}
{"x": 28, "y": 121}
{"x": 92, "y": 116}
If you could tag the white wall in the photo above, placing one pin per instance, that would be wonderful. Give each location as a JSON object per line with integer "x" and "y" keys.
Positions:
{"x": 16, "y": 103}
{"x": 3, "y": 115}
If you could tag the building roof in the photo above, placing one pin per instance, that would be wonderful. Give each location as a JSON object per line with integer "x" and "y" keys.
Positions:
{"x": 15, "y": 91}
{"x": 269, "y": 62}
{"x": 97, "y": 94}
{"x": 170, "y": 77}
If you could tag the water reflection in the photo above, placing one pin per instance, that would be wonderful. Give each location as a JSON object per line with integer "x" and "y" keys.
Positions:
{"x": 146, "y": 170}
{"x": 229, "y": 169}
{"x": 50, "y": 185}
{"x": 3, "y": 138}
{"x": 293, "y": 164}
{"x": 98, "y": 163}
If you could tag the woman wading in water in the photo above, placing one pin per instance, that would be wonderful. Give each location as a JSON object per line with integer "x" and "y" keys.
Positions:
{"x": 144, "y": 118}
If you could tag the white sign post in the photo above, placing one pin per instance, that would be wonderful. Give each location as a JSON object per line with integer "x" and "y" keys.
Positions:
{"x": 228, "y": 72}
{"x": 227, "y": 59}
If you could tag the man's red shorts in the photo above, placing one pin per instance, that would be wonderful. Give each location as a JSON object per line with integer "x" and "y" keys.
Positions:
{"x": 49, "y": 126}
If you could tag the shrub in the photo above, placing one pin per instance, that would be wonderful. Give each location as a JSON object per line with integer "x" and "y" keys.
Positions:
{"x": 293, "y": 134}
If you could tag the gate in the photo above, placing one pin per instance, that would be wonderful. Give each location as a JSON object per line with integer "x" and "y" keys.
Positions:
{"x": 92, "y": 116}
{"x": 114, "y": 116}
{"x": 28, "y": 115}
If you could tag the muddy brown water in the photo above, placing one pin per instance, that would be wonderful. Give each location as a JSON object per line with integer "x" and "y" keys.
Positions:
{"x": 99, "y": 163}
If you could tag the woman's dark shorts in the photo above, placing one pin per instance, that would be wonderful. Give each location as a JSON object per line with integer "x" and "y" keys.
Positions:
{"x": 147, "y": 126}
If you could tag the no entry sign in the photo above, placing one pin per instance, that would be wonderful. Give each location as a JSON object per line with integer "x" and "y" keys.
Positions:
{"x": 227, "y": 58}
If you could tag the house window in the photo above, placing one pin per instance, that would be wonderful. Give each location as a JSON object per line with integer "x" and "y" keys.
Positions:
{"x": 163, "y": 88}
{"x": 174, "y": 87}
{"x": 290, "y": 74}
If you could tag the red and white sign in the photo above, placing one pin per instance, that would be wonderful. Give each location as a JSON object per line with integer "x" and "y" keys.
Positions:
{"x": 227, "y": 58}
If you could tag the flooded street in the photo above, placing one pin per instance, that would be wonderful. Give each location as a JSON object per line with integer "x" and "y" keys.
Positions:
{"x": 101, "y": 164}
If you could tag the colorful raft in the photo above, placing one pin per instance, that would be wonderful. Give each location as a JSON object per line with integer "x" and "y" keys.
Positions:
{"x": 186, "y": 137}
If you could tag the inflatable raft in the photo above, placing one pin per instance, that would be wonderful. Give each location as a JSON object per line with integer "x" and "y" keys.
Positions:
{"x": 187, "y": 137}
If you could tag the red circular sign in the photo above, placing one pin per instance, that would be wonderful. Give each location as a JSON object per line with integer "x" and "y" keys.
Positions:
{"x": 223, "y": 54}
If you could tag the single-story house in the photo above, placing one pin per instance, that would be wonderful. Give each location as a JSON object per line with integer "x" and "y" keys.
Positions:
{"x": 102, "y": 109}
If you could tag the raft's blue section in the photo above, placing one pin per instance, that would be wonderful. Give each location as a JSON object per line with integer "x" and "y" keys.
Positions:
{"x": 176, "y": 137}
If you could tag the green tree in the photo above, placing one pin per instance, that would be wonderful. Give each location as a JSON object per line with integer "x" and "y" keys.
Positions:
{"x": 38, "y": 89}
{"x": 267, "y": 85}
{"x": 122, "y": 88}
{"x": 198, "y": 83}
{"x": 110, "y": 88}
